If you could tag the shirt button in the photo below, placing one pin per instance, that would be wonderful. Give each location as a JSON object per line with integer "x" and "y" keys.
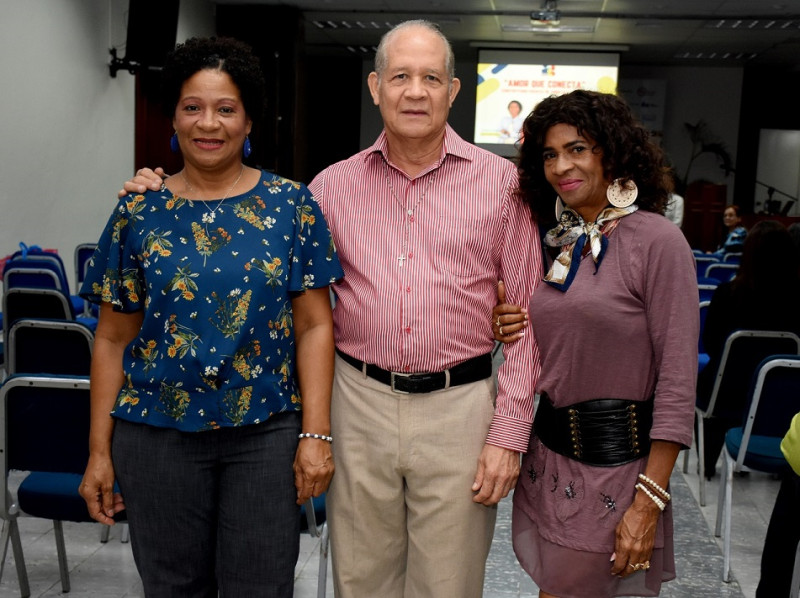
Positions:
{"x": 408, "y": 289}
{"x": 408, "y": 330}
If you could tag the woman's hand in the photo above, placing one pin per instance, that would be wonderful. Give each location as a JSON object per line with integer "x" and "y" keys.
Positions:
{"x": 508, "y": 321}
{"x": 635, "y": 538}
{"x": 97, "y": 489}
{"x": 313, "y": 333}
{"x": 313, "y": 468}
{"x": 143, "y": 180}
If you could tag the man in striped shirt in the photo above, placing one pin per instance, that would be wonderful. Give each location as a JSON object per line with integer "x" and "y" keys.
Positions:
{"x": 424, "y": 224}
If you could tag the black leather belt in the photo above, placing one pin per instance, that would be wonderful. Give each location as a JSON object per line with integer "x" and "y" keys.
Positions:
{"x": 600, "y": 432}
{"x": 471, "y": 370}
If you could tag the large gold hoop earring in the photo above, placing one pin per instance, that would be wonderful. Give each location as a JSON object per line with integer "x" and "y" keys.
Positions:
{"x": 621, "y": 197}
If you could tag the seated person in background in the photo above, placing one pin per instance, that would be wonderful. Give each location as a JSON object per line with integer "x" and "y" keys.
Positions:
{"x": 764, "y": 295}
{"x": 674, "y": 211}
{"x": 736, "y": 232}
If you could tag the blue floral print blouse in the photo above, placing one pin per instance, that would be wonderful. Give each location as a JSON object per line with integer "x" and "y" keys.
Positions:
{"x": 216, "y": 347}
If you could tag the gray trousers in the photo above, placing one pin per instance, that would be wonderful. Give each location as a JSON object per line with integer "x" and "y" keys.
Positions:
{"x": 211, "y": 512}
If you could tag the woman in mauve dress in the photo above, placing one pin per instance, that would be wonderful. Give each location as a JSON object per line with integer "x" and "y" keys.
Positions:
{"x": 616, "y": 321}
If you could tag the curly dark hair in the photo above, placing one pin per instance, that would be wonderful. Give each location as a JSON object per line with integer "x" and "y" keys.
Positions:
{"x": 628, "y": 151}
{"x": 227, "y": 54}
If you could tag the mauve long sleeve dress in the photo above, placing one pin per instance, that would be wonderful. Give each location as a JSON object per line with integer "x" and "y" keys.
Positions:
{"x": 627, "y": 330}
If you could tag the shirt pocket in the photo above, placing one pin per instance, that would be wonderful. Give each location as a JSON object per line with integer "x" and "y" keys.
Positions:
{"x": 464, "y": 248}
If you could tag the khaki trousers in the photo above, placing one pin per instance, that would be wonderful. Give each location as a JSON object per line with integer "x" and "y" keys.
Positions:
{"x": 400, "y": 509}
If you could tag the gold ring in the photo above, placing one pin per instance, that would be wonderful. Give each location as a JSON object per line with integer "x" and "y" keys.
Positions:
{"x": 501, "y": 331}
{"x": 498, "y": 321}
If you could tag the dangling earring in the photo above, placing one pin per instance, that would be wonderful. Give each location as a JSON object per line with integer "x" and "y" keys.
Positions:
{"x": 560, "y": 207}
{"x": 173, "y": 143}
{"x": 247, "y": 149}
{"x": 621, "y": 197}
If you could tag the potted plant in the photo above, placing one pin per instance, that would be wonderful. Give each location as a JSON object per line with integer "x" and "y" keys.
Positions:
{"x": 705, "y": 141}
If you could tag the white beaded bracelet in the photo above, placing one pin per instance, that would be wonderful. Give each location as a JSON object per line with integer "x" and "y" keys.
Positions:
{"x": 317, "y": 436}
{"x": 659, "y": 503}
{"x": 664, "y": 494}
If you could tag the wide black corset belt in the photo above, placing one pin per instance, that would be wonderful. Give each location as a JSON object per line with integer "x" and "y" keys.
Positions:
{"x": 601, "y": 432}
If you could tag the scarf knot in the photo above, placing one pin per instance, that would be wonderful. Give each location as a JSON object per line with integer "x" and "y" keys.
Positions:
{"x": 572, "y": 233}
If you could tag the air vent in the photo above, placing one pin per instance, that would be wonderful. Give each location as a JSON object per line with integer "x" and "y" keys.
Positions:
{"x": 749, "y": 24}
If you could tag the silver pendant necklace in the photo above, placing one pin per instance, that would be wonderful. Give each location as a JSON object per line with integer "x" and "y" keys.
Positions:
{"x": 403, "y": 256}
{"x": 210, "y": 215}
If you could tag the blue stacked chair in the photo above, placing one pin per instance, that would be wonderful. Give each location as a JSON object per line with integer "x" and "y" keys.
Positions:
{"x": 46, "y": 427}
{"x": 773, "y": 400}
{"x": 722, "y": 271}
{"x": 39, "y": 263}
{"x": 82, "y": 254}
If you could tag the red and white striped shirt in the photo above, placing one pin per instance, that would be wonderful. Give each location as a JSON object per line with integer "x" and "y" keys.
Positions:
{"x": 422, "y": 257}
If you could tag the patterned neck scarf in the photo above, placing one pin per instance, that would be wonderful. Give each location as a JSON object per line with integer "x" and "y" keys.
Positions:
{"x": 571, "y": 235}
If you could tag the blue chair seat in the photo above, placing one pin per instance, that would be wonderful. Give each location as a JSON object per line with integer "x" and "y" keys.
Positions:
{"x": 89, "y": 322}
{"x": 37, "y": 491}
{"x": 54, "y": 496}
{"x": 702, "y": 361}
{"x": 763, "y": 452}
{"x": 78, "y": 304}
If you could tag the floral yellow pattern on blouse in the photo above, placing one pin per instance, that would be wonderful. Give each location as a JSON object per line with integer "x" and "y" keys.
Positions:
{"x": 216, "y": 346}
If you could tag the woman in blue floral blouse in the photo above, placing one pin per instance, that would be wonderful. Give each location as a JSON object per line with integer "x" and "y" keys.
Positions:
{"x": 213, "y": 359}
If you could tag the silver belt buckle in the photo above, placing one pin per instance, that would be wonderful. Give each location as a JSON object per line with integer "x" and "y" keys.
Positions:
{"x": 395, "y": 375}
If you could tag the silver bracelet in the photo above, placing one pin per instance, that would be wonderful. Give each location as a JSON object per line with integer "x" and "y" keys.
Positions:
{"x": 659, "y": 503}
{"x": 317, "y": 436}
{"x": 654, "y": 486}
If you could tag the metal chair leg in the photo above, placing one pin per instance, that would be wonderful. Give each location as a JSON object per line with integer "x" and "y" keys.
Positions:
{"x": 11, "y": 533}
{"x": 727, "y": 507}
{"x": 61, "y": 549}
{"x": 322, "y": 579}
{"x": 721, "y": 504}
{"x": 701, "y": 460}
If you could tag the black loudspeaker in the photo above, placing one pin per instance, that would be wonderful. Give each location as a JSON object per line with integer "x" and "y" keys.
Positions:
{"x": 152, "y": 29}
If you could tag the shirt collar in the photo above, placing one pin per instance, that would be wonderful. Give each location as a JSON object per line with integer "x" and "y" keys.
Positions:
{"x": 452, "y": 145}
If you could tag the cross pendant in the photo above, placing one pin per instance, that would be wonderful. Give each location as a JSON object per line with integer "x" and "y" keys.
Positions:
{"x": 401, "y": 259}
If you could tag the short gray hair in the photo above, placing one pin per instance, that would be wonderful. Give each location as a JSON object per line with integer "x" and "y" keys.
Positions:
{"x": 381, "y": 60}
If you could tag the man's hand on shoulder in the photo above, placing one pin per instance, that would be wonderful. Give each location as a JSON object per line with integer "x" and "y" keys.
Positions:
{"x": 143, "y": 180}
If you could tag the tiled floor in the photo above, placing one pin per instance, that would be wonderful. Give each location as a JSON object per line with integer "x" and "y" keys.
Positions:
{"x": 107, "y": 570}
